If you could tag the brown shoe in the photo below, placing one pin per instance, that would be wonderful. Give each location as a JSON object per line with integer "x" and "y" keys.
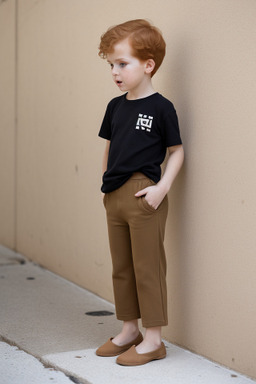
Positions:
{"x": 110, "y": 349}
{"x": 131, "y": 357}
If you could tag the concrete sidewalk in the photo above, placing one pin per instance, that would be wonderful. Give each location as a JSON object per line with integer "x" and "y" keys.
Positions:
{"x": 46, "y": 317}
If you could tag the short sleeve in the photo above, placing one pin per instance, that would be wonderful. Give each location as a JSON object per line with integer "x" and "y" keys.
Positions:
{"x": 171, "y": 127}
{"x": 105, "y": 130}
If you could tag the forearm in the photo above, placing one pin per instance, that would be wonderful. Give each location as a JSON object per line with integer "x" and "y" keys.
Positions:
{"x": 156, "y": 193}
{"x": 105, "y": 157}
{"x": 172, "y": 169}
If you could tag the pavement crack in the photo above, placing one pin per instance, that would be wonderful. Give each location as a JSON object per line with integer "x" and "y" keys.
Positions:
{"x": 46, "y": 365}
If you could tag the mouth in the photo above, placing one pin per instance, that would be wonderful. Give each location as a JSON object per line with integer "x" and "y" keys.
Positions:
{"x": 118, "y": 82}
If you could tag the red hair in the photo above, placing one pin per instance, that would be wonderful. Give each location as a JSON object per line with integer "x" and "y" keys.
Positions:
{"x": 146, "y": 41}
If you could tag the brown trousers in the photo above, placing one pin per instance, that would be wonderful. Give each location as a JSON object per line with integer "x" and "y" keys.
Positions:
{"x": 136, "y": 237}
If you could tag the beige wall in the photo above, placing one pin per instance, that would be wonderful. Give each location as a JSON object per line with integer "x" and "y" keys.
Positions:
{"x": 63, "y": 88}
{"x": 7, "y": 123}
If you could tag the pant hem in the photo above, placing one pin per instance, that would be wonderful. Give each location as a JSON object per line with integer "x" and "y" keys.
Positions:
{"x": 128, "y": 317}
{"x": 155, "y": 324}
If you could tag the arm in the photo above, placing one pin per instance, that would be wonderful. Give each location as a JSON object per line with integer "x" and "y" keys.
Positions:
{"x": 105, "y": 157}
{"x": 156, "y": 193}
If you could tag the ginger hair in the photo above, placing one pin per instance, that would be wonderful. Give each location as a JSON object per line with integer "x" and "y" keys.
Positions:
{"x": 146, "y": 41}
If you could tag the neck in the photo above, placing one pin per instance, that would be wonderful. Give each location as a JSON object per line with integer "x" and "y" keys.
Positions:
{"x": 144, "y": 91}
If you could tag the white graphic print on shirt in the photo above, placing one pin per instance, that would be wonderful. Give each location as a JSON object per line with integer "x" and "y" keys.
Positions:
{"x": 144, "y": 122}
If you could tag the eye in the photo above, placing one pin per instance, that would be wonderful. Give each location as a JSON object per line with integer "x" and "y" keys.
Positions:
{"x": 122, "y": 65}
{"x": 111, "y": 65}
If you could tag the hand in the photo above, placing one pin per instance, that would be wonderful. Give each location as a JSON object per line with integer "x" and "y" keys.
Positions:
{"x": 154, "y": 195}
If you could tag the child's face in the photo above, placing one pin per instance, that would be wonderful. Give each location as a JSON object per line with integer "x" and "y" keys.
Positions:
{"x": 129, "y": 73}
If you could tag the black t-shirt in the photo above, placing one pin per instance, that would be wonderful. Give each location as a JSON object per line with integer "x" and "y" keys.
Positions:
{"x": 139, "y": 132}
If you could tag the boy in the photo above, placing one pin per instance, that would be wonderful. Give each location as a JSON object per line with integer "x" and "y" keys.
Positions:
{"x": 138, "y": 127}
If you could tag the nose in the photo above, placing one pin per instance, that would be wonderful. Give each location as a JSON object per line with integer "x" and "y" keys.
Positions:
{"x": 114, "y": 70}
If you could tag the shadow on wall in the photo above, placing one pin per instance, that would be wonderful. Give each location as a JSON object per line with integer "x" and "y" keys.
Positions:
{"x": 177, "y": 230}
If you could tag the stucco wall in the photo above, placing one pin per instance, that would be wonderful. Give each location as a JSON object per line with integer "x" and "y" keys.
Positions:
{"x": 62, "y": 92}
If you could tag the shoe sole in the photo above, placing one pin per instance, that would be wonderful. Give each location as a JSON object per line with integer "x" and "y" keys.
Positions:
{"x": 142, "y": 363}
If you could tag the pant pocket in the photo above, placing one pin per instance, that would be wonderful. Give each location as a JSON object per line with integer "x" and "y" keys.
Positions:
{"x": 146, "y": 205}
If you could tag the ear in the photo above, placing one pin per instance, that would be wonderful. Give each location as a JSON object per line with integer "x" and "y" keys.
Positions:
{"x": 149, "y": 66}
